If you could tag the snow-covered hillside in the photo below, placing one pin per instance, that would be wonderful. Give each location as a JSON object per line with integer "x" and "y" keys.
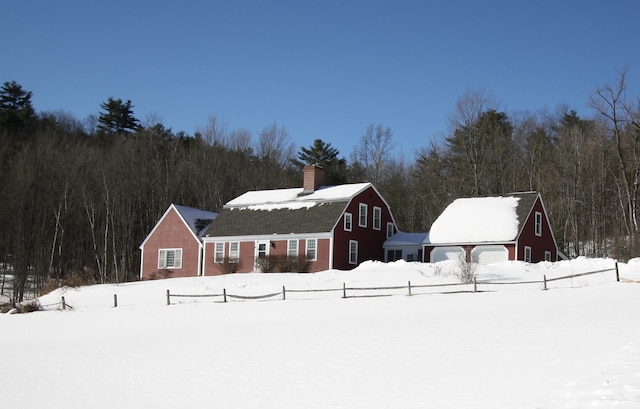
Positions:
{"x": 508, "y": 346}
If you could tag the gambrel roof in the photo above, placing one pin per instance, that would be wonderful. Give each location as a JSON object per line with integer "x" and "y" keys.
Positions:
{"x": 482, "y": 219}
{"x": 285, "y": 211}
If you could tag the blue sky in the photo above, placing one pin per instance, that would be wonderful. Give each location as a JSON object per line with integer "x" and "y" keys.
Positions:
{"x": 322, "y": 69}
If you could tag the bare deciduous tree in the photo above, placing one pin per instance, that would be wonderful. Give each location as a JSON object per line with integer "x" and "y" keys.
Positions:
{"x": 373, "y": 152}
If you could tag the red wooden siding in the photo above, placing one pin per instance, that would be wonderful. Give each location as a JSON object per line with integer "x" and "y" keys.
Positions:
{"x": 276, "y": 248}
{"x": 369, "y": 240}
{"x": 538, "y": 244}
{"x": 171, "y": 233}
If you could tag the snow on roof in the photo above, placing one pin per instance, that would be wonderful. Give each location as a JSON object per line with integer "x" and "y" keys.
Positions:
{"x": 405, "y": 239}
{"x": 294, "y": 198}
{"x": 475, "y": 220}
{"x": 197, "y": 219}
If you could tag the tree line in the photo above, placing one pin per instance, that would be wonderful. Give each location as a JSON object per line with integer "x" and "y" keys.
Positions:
{"x": 78, "y": 197}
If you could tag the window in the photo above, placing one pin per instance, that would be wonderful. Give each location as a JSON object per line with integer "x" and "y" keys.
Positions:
{"x": 547, "y": 256}
{"x": 538, "y": 224}
{"x": 362, "y": 218}
{"x": 347, "y": 222}
{"x": 394, "y": 255}
{"x": 292, "y": 248}
{"x": 170, "y": 258}
{"x": 377, "y": 218}
{"x": 312, "y": 245}
{"x": 390, "y": 229}
{"x": 234, "y": 251}
{"x": 527, "y": 254}
{"x": 218, "y": 255}
{"x": 353, "y": 252}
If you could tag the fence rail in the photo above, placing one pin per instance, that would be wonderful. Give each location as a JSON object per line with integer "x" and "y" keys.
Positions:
{"x": 473, "y": 287}
{"x": 369, "y": 291}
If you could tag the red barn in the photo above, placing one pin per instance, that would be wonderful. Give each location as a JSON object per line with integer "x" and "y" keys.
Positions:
{"x": 174, "y": 246}
{"x": 312, "y": 228}
{"x": 493, "y": 229}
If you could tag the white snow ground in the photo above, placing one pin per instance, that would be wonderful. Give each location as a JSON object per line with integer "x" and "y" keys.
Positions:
{"x": 509, "y": 346}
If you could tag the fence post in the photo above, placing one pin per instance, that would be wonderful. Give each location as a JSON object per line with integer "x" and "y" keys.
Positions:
{"x": 224, "y": 295}
{"x": 544, "y": 278}
{"x": 284, "y": 293}
{"x": 475, "y": 285}
{"x": 115, "y": 300}
{"x": 409, "y": 287}
{"x": 344, "y": 290}
{"x": 168, "y": 298}
{"x": 617, "y": 273}
{"x": 64, "y": 304}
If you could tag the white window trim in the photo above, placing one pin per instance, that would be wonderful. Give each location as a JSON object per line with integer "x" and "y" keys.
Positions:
{"x": 538, "y": 223}
{"x": 295, "y": 251}
{"x": 363, "y": 209}
{"x": 177, "y": 259}
{"x": 353, "y": 260}
{"x": 527, "y": 254}
{"x": 218, "y": 254}
{"x": 315, "y": 249}
{"x": 390, "y": 229}
{"x": 234, "y": 255}
{"x": 377, "y": 221}
{"x": 348, "y": 220}
{"x": 547, "y": 255}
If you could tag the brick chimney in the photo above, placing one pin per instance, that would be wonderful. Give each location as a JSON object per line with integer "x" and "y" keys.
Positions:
{"x": 313, "y": 178}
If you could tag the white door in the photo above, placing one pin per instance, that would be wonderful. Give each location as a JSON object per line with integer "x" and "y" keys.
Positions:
{"x": 489, "y": 254}
{"x": 446, "y": 253}
{"x": 262, "y": 252}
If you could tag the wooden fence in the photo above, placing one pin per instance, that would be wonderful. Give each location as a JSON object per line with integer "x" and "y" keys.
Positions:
{"x": 410, "y": 289}
{"x": 359, "y": 292}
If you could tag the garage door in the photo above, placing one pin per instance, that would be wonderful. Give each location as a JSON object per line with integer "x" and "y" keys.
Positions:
{"x": 489, "y": 254}
{"x": 446, "y": 253}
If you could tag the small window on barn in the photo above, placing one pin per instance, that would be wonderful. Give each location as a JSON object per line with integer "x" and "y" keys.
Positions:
{"x": 390, "y": 229}
{"x": 547, "y": 256}
{"x": 169, "y": 258}
{"x": 362, "y": 216}
{"x": 527, "y": 254}
{"x": 377, "y": 218}
{"x": 312, "y": 249}
{"x": 234, "y": 251}
{"x": 218, "y": 254}
{"x": 292, "y": 248}
{"x": 347, "y": 221}
{"x": 353, "y": 252}
{"x": 538, "y": 221}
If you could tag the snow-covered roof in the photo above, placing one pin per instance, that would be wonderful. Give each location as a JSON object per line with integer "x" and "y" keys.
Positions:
{"x": 294, "y": 198}
{"x": 197, "y": 219}
{"x": 406, "y": 239}
{"x": 478, "y": 219}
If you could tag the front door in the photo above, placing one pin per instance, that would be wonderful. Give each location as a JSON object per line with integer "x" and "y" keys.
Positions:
{"x": 262, "y": 253}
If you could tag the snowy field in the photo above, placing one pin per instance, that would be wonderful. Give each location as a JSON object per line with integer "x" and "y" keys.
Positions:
{"x": 576, "y": 345}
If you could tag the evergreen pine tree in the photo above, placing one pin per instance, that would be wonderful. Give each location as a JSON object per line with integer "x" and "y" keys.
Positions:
{"x": 117, "y": 118}
{"x": 15, "y": 106}
{"x": 325, "y": 155}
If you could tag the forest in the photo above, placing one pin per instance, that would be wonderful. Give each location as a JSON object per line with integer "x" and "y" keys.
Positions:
{"x": 79, "y": 196}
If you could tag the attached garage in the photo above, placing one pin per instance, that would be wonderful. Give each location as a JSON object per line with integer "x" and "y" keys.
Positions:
{"x": 447, "y": 253}
{"x": 489, "y": 254}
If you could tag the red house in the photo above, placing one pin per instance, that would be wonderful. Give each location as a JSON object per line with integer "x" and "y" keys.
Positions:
{"x": 312, "y": 228}
{"x": 493, "y": 229}
{"x": 174, "y": 246}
